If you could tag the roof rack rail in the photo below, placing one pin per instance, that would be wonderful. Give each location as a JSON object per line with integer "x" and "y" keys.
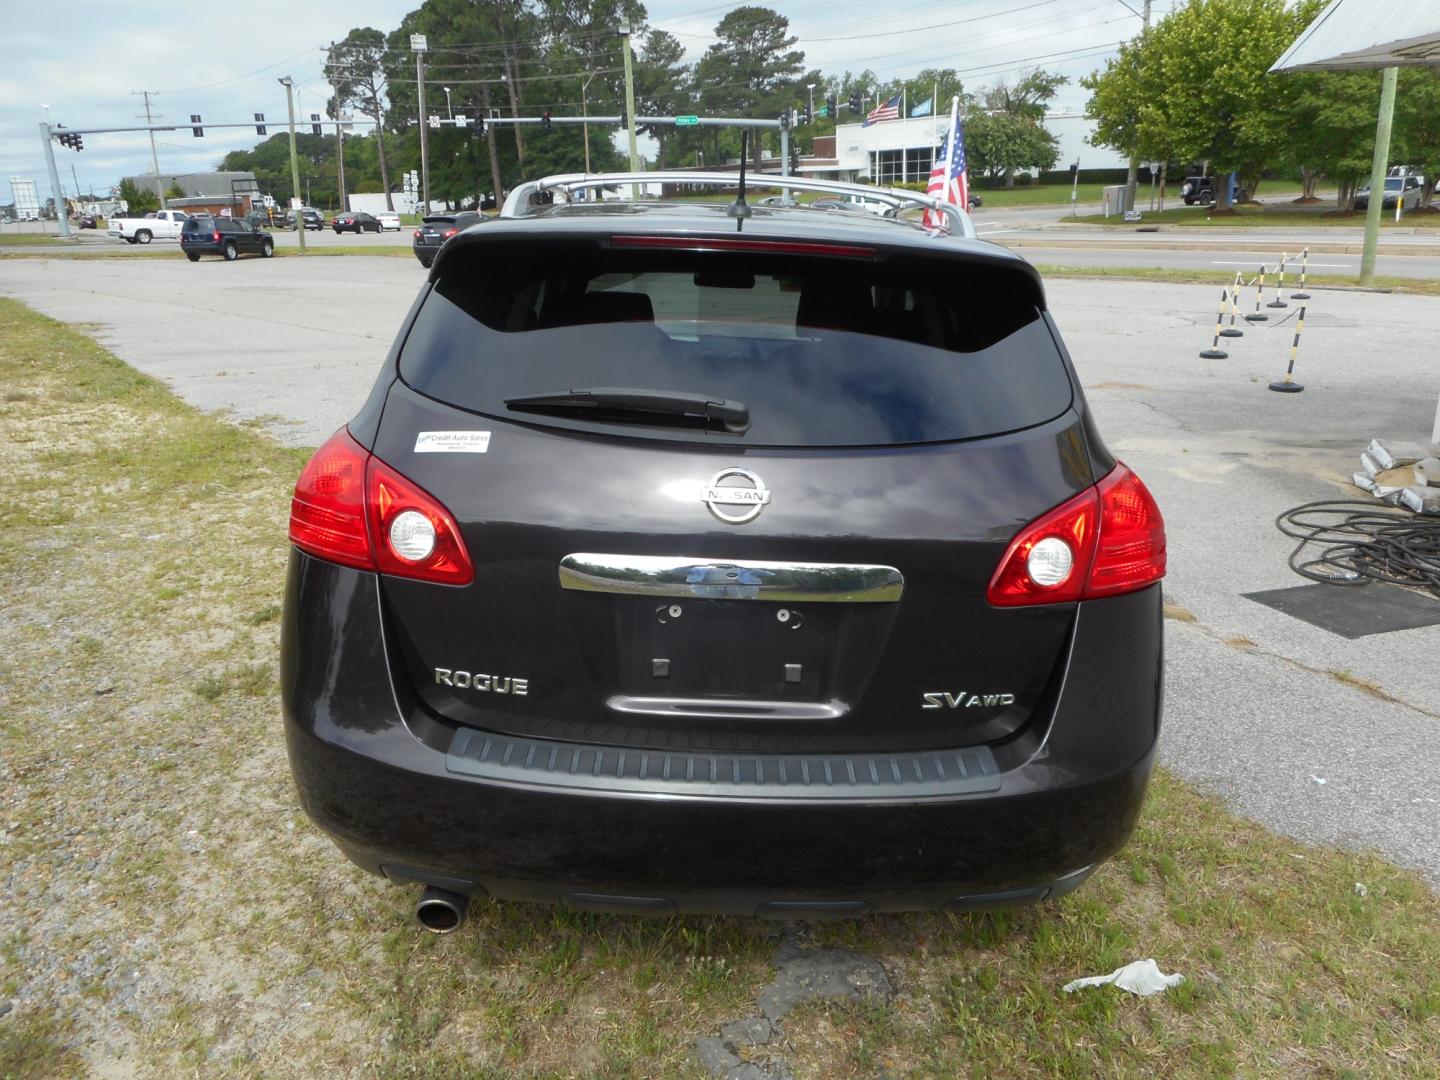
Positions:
{"x": 520, "y": 201}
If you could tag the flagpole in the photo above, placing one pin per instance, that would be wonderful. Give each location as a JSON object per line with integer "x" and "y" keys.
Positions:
{"x": 904, "y": 134}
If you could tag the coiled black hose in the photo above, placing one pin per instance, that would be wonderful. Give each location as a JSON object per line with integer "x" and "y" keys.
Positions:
{"x": 1361, "y": 542}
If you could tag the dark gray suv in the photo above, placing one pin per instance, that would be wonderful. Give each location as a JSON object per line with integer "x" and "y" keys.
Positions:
{"x": 687, "y": 558}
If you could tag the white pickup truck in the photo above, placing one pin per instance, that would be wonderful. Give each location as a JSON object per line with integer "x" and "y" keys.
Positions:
{"x": 161, "y": 225}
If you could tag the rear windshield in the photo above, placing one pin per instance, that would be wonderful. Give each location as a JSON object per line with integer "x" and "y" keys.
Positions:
{"x": 823, "y": 351}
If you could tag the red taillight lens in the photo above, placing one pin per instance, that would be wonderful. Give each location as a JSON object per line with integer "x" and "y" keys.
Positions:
{"x": 394, "y": 503}
{"x": 1074, "y": 524}
{"x": 327, "y": 511}
{"x": 1108, "y": 539}
{"x": 345, "y": 509}
{"x": 417, "y": 234}
{"x": 215, "y": 237}
{"x": 449, "y": 233}
{"x": 1132, "y": 536}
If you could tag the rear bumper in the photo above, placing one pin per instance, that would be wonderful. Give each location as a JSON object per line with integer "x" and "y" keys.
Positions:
{"x": 370, "y": 772}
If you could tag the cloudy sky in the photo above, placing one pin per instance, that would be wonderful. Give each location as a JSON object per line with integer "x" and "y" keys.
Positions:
{"x": 87, "y": 76}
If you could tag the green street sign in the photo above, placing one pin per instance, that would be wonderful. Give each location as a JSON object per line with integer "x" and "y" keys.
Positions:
{"x": 687, "y": 121}
{"x": 823, "y": 110}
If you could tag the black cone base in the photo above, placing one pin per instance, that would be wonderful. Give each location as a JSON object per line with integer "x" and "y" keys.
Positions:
{"x": 1257, "y": 317}
{"x": 1299, "y": 296}
{"x": 1214, "y": 354}
{"x": 1277, "y": 303}
{"x": 1230, "y": 331}
{"x": 1280, "y": 386}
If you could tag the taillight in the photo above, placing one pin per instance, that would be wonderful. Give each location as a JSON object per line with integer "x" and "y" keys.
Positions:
{"x": 215, "y": 237}
{"x": 448, "y": 233}
{"x": 327, "y": 511}
{"x": 1108, "y": 539}
{"x": 417, "y": 234}
{"x": 415, "y": 536}
{"x": 352, "y": 508}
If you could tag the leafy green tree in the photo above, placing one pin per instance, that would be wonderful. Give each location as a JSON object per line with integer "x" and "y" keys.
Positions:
{"x": 1417, "y": 125}
{"x": 1027, "y": 97}
{"x": 174, "y": 191}
{"x": 355, "y": 68}
{"x": 662, "y": 86}
{"x": 999, "y": 144}
{"x": 1197, "y": 86}
{"x": 139, "y": 201}
{"x": 1332, "y": 129}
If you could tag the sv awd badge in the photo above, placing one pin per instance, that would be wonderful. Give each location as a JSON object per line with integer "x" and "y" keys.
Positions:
{"x": 943, "y": 699}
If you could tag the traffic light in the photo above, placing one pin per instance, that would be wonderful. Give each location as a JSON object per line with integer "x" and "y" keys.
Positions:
{"x": 1074, "y": 168}
{"x": 479, "y": 125}
{"x": 314, "y": 123}
{"x": 805, "y": 116}
{"x": 785, "y": 120}
{"x": 259, "y": 123}
{"x": 197, "y": 130}
{"x": 78, "y": 142}
{"x": 832, "y": 106}
{"x": 545, "y": 120}
{"x": 855, "y": 102}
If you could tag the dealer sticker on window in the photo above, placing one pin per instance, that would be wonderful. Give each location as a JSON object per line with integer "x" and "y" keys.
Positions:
{"x": 452, "y": 442}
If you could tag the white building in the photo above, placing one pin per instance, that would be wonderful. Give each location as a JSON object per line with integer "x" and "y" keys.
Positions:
{"x": 896, "y": 151}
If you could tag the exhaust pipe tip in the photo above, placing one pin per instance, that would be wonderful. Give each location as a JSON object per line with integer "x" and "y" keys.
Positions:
{"x": 441, "y": 911}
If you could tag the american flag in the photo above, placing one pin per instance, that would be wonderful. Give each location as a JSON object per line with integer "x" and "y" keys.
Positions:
{"x": 889, "y": 111}
{"x": 948, "y": 179}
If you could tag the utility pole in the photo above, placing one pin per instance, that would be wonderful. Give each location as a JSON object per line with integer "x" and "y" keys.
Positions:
{"x": 77, "y": 181}
{"x": 295, "y": 202}
{"x": 1132, "y": 177}
{"x": 154, "y": 160}
{"x": 340, "y": 156}
{"x": 624, "y": 32}
{"x": 418, "y": 45}
{"x": 1377, "y": 175}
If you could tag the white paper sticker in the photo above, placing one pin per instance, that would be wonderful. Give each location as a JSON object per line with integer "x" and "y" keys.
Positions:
{"x": 452, "y": 442}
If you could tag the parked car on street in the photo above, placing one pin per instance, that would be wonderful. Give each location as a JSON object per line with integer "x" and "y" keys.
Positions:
{"x": 675, "y": 567}
{"x": 437, "y": 228}
{"x": 1407, "y": 189}
{"x": 159, "y": 225}
{"x": 314, "y": 220}
{"x": 389, "y": 220}
{"x": 356, "y": 221}
{"x": 87, "y": 221}
{"x": 227, "y": 237}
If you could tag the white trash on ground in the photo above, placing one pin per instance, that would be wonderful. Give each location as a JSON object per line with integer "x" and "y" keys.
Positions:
{"x": 1141, "y": 977}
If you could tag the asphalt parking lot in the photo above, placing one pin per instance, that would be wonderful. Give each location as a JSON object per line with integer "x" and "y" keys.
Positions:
{"x": 1315, "y": 735}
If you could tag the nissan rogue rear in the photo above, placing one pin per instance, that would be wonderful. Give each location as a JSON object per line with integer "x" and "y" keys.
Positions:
{"x": 685, "y": 563}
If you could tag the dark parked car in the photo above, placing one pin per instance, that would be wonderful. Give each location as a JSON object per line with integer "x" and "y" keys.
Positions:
{"x": 674, "y": 567}
{"x": 437, "y": 228}
{"x": 227, "y": 237}
{"x": 1202, "y": 190}
{"x": 356, "y": 221}
{"x": 87, "y": 221}
{"x": 313, "y": 218}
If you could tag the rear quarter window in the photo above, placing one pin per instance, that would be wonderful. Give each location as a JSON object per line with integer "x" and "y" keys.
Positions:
{"x": 824, "y": 351}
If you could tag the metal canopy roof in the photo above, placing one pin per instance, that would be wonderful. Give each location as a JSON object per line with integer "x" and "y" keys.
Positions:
{"x": 1353, "y": 35}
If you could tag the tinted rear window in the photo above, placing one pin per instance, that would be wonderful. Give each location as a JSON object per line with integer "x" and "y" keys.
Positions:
{"x": 823, "y": 351}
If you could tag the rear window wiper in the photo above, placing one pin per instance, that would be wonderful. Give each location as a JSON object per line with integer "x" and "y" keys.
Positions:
{"x": 625, "y": 404}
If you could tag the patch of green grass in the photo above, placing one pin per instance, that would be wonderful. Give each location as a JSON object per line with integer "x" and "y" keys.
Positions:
{"x": 18, "y": 239}
{"x": 265, "y": 953}
{"x": 1251, "y": 216}
{"x": 1417, "y": 286}
{"x": 34, "y": 1048}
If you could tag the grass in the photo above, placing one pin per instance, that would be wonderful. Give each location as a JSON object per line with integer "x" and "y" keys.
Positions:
{"x": 17, "y": 239}
{"x": 1251, "y": 217}
{"x": 1416, "y": 286}
{"x": 152, "y": 842}
{"x": 98, "y": 252}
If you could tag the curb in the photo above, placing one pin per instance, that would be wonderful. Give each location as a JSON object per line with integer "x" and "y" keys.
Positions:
{"x": 1263, "y": 246}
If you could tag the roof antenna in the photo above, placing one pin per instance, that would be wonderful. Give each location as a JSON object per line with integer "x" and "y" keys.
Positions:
{"x": 738, "y": 209}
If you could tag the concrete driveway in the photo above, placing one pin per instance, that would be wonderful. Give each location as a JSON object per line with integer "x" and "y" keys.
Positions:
{"x": 1318, "y": 736}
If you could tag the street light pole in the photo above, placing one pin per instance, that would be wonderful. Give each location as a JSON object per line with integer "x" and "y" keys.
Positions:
{"x": 585, "y": 114}
{"x": 295, "y": 202}
{"x": 449, "y": 112}
{"x": 418, "y": 45}
{"x": 811, "y": 88}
